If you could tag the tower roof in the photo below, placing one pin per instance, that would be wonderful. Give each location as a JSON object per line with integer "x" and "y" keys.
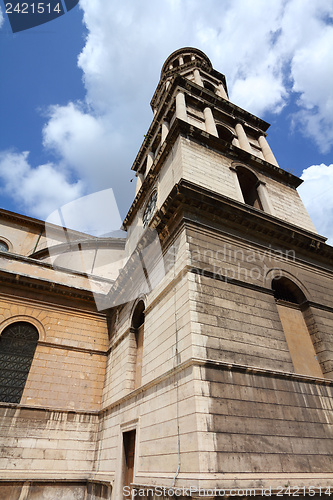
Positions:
{"x": 185, "y": 51}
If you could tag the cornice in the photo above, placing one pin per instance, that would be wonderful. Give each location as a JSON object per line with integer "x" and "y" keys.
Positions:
{"x": 183, "y": 50}
{"x": 187, "y": 200}
{"x": 24, "y": 221}
{"x": 239, "y": 114}
{"x": 184, "y": 129}
{"x": 43, "y": 285}
{"x": 206, "y": 96}
{"x": 81, "y": 244}
{"x": 19, "y": 218}
{"x": 41, "y": 264}
{"x": 219, "y": 365}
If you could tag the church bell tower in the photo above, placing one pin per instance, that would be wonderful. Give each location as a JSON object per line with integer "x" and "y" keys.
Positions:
{"x": 230, "y": 365}
{"x": 215, "y": 145}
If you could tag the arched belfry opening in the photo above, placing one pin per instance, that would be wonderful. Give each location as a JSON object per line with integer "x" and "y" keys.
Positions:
{"x": 209, "y": 86}
{"x": 298, "y": 324}
{"x": 224, "y": 133}
{"x": 138, "y": 320}
{"x": 175, "y": 63}
{"x": 248, "y": 183}
{"x": 286, "y": 290}
{"x": 18, "y": 343}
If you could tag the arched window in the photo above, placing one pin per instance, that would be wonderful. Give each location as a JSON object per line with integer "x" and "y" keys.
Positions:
{"x": 3, "y": 246}
{"x": 224, "y": 133}
{"x": 209, "y": 86}
{"x": 18, "y": 343}
{"x": 295, "y": 317}
{"x": 175, "y": 63}
{"x": 248, "y": 183}
{"x": 138, "y": 320}
{"x": 286, "y": 290}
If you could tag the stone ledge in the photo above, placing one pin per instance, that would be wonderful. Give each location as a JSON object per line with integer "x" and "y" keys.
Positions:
{"x": 55, "y": 476}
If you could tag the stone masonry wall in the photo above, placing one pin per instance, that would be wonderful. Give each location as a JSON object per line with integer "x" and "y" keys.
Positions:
{"x": 37, "y": 443}
{"x": 256, "y": 425}
{"x": 237, "y": 322}
{"x": 68, "y": 368}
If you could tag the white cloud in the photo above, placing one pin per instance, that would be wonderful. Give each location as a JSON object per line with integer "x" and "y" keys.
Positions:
{"x": 83, "y": 141}
{"x": 39, "y": 190}
{"x": 315, "y": 87}
{"x": 267, "y": 54}
{"x": 316, "y": 192}
{"x": 271, "y": 89}
{"x": 126, "y": 46}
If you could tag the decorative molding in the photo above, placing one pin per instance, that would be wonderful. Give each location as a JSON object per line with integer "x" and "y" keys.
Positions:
{"x": 237, "y": 155}
{"x": 27, "y": 319}
{"x": 67, "y": 347}
{"x": 42, "y": 285}
{"x": 233, "y": 281}
{"x": 188, "y": 196}
{"x": 222, "y": 365}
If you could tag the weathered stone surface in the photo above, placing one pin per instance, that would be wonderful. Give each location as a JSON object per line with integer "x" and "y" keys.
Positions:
{"x": 223, "y": 400}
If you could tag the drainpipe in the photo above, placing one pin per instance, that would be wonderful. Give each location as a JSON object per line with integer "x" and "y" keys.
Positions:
{"x": 38, "y": 240}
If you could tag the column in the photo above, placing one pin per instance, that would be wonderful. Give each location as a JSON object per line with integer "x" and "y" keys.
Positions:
{"x": 264, "y": 198}
{"x": 222, "y": 92}
{"x": 150, "y": 161}
{"x": 181, "y": 107}
{"x": 197, "y": 77}
{"x": 239, "y": 194}
{"x": 210, "y": 122}
{"x": 235, "y": 142}
{"x": 165, "y": 130}
{"x": 139, "y": 182}
{"x": 242, "y": 138}
{"x": 266, "y": 151}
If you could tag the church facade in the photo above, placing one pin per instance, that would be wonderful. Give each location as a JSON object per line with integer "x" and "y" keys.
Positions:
{"x": 195, "y": 357}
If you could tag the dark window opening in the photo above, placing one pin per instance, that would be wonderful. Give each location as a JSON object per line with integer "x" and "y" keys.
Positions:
{"x": 224, "y": 133}
{"x": 129, "y": 458}
{"x": 248, "y": 184}
{"x": 138, "y": 315}
{"x": 138, "y": 326}
{"x": 187, "y": 59}
{"x": 156, "y": 144}
{"x": 209, "y": 86}
{"x": 175, "y": 63}
{"x": 285, "y": 289}
{"x": 18, "y": 344}
{"x": 3, "y": 246}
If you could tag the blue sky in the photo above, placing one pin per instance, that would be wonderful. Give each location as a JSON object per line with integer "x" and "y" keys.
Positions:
{"x": 75, "y": 92}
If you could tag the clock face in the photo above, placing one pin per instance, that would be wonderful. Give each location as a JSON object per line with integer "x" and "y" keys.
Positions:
{"x": 150, "y": 208}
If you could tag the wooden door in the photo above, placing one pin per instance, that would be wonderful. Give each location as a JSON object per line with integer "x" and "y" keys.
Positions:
{"x": 129, "y": 452}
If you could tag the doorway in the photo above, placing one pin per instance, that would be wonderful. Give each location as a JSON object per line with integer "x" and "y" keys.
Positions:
{"x": 129, "y": 458}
